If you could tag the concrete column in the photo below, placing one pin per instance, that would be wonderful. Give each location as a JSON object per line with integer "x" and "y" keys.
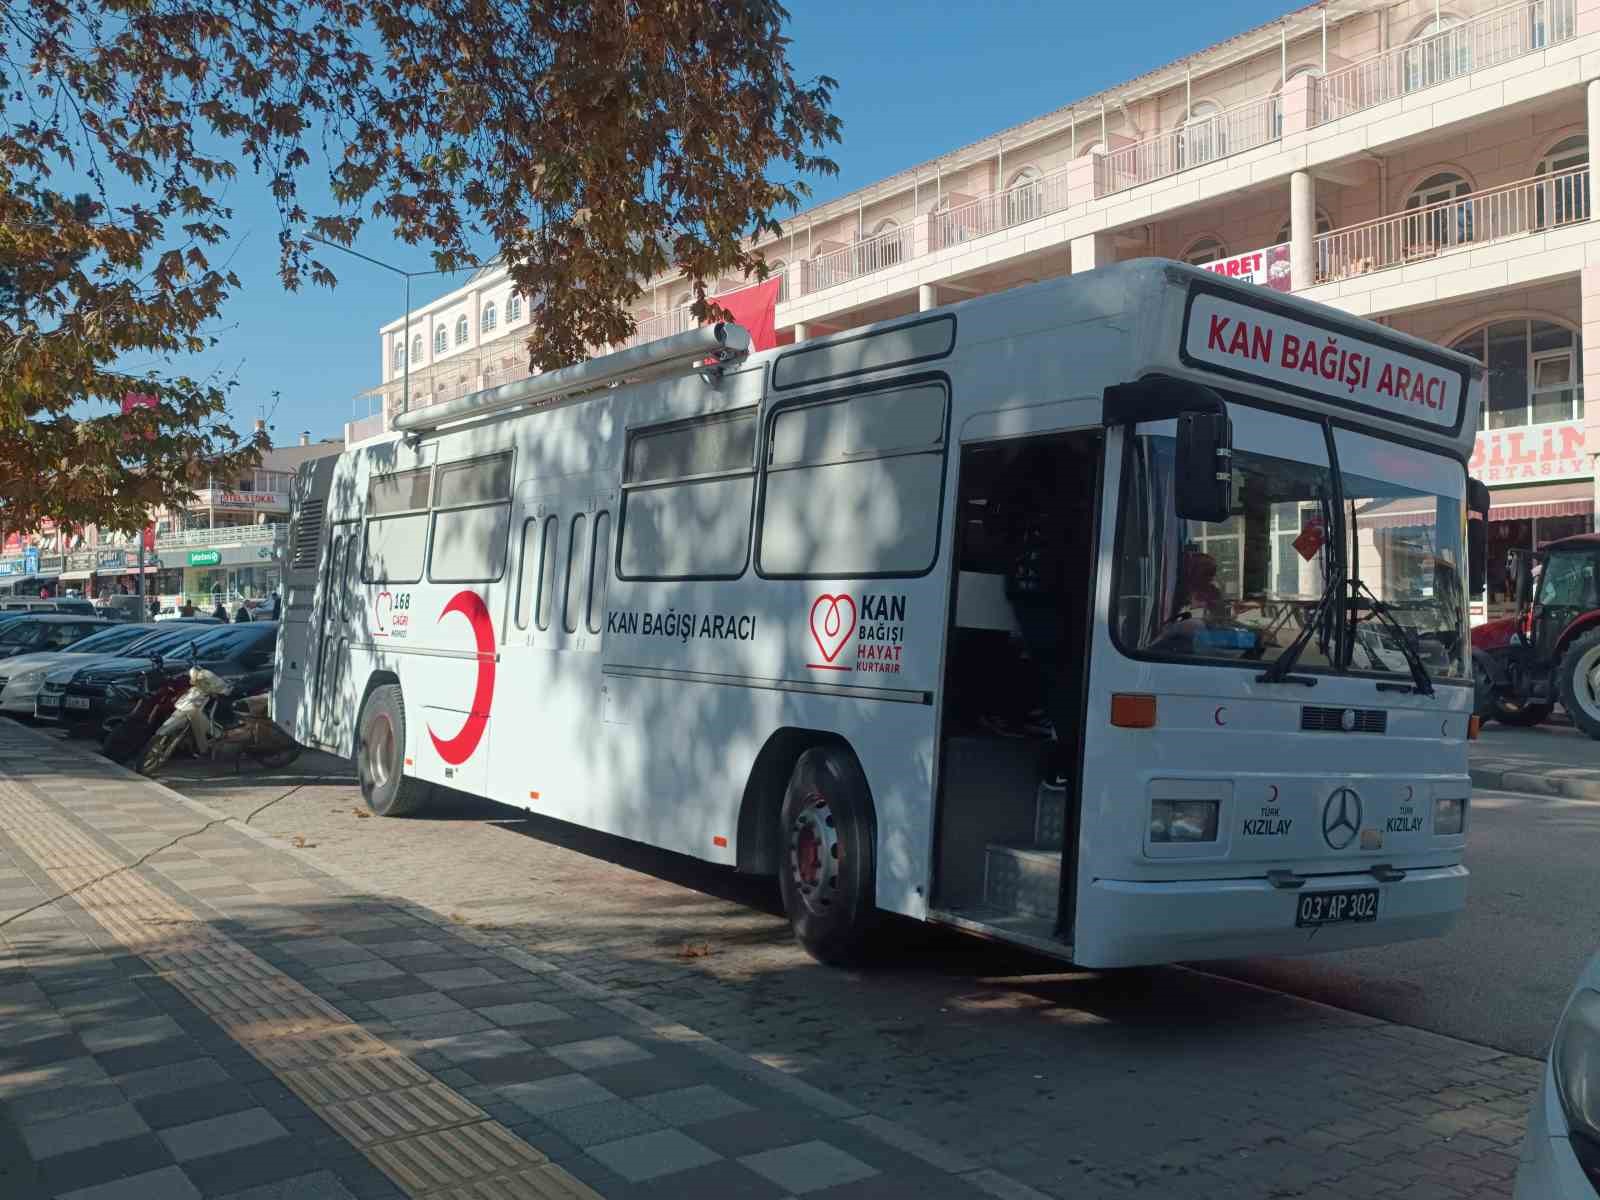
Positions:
{"x": 1589, "y": 304}
{"x": 1091, "y": 251}
{"x": 1080, "y": 179}
{"x": 1302, "y": 230}
{"x": 1298, "y": 100}
{"x": 927, "y": 297}
{"x": 800, "y": 331}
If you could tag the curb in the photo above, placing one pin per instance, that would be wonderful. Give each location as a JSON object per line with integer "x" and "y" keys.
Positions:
{"x": 1536, "y": 783}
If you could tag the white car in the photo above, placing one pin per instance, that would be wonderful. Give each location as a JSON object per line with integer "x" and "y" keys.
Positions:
{"x": 1561, "y": 1152}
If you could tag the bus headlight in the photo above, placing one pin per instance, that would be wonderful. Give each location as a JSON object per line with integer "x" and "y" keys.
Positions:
{"x": 1449, "y": 816}
{"x": 1183, "y": 820}
{"x": 1575, "y": 1060}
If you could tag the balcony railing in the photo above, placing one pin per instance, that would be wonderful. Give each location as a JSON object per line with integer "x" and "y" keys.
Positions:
{"x": 653, "y": 329}
{"x": 1486, "y": 41}
{"x": 1530, "y": 206}
{"x": 989, "y": 214}
{"x": 875, "y": 253}
{"x": 1194, "y": 144}
{"x": 226, "y": 536}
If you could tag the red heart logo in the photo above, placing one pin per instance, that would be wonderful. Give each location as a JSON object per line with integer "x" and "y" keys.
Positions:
{"x": 829, "y": 624}
{"x": 381, "y": 607}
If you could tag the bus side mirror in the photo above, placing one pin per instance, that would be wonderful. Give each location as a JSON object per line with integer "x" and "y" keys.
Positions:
{"x": 1477, "y": 557}
{"x": 1203, "y": 482}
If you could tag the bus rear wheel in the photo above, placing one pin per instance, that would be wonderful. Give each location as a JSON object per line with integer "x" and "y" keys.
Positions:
{"x": 380, "y": 755}
{"x": 827, "y": 871}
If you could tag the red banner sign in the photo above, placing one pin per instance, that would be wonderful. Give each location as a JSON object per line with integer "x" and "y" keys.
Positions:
{"x": 1269, "y": 267}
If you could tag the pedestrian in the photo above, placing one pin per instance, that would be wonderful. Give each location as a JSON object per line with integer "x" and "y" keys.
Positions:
{"x": 220, "y": 612}
{"x": 274, "y": 606}
{"x": 241, "y": 613}
{"x": 187, "y": 609}
{"x": 155, "y": 607}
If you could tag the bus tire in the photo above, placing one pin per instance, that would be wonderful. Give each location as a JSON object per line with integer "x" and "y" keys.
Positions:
{"x": 1578, "y": 677}
{"x": 826, "y": 871}
{"x": 380, "y": 755}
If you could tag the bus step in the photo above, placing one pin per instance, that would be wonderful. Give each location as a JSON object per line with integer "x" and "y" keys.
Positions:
{"x": 1050, "y": 814}
{"x": 1022, "y": 879}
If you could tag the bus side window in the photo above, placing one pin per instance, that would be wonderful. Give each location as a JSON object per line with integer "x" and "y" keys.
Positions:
{"x": 549, "y": 536}
{"x": 599, "y": 570}
{"x": 576, "y": 544}
{"x": 527, "y": 579}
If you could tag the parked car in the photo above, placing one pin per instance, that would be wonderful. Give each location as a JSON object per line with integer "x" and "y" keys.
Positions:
{"x": 124, "y": 608}
{"x": 46, "y": 631}
{"x": 61, "y": 604}
{"x": 22, "y": 676}
{"x": 1561, "y": 1151}
{"x": 83, "y": 694}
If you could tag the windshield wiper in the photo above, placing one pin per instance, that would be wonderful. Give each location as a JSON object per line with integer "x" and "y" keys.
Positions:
{"x": 1278, "y": 672}
{"x": 1422, "y": 682}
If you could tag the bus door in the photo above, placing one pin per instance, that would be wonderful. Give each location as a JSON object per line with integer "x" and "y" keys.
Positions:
{"x": 334, "y": 712}
{"x": 552, "y": 627}
{"x": 1012, "y": 723}
{"x": 296, "y": 667}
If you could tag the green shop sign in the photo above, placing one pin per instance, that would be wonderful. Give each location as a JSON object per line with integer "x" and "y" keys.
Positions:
{"x": 204, "y": 558}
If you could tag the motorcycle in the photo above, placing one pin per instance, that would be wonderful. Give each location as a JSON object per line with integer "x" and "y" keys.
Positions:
{"x": 210, "y": 717}
{"x": 153, "y": 699}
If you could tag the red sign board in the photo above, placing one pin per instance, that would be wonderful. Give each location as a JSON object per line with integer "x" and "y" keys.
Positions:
{"x": 1268, "y": 267}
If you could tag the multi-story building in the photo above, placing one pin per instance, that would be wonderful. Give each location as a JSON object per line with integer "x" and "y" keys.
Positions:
{"x": 1423, "y": 164}
{"x": 223, "y": 545}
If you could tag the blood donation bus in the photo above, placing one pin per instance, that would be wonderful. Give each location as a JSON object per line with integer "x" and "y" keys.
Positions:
{"x": 1123, "y": 616}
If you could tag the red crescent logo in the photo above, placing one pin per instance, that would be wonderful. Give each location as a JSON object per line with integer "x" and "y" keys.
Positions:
{"x": 458, "y": 749}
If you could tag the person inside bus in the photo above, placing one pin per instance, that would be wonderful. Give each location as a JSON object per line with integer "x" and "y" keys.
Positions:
{"x": 241, "y": 614}
{"x": 220, "y": 612}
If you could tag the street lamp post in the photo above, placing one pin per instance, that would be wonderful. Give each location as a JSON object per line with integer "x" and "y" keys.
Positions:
{"x": 405, "y": 385}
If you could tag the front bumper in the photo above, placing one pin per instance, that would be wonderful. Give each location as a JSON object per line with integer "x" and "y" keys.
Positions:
{"x": 1128, "y": 923}
{"x": 1547, "y": 1169}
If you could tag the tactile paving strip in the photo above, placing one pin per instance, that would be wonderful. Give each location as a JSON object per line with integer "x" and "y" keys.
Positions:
{"x": 424, "y": 1135}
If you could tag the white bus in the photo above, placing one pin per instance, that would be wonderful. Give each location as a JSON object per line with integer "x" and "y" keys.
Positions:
{"x": 1121, "y": 616}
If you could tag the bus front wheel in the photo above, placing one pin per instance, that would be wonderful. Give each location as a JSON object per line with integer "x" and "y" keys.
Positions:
{"x": 380, "y": 755}
{"x": 826, "y": 872}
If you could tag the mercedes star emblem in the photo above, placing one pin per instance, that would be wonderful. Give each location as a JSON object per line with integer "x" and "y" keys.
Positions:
{"x": 1341, "y": 818}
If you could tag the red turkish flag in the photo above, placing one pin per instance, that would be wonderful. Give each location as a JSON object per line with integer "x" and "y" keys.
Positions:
{"x": 1312, "y": 535}
{"x": 133, "y": 400}
{"x": 755, "y": 307}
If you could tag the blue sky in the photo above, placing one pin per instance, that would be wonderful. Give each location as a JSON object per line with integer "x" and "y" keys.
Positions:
{"x": 915, "y": 80}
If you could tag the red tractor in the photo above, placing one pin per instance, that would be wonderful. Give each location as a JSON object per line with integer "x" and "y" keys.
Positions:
{"x": 1549, "y": 651}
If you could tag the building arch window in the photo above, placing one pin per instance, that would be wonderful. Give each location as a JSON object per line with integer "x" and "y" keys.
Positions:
{"x": 1278, "y": 89}
{"x": 1095, "y": 147}
{"x": 1565, "y": 196}
{"x": 513, "y": 308}
{"x": 1439, "y": 50}
{"x": 1024, "y": 196}
{"x": 880, "y": 248}
{"x": 399, "y": 357}
{"x": 1534, "y": 371}
{"x": 489, "y": 318}
{"x": 1203, "y": 134}
{"x": 1204, "y": 249}
{"x": 463, "y": 331}
{"x": 1443, "y": 217}
{"x": 1324, "y": 225}
{"x": 441, "y": 340}
{"x": 779, "y": 270}
{"x": 416, "y": 348}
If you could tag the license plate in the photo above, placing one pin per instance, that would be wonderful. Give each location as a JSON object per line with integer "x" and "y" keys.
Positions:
{"x": 77, "y": 702}
{"x": 1352, "y": 905}
{"x": 47, "y": 702}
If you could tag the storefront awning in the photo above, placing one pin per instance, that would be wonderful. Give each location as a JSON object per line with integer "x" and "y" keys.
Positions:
{"x": 1572, "y": 498}
{"x": 32, "y": 581}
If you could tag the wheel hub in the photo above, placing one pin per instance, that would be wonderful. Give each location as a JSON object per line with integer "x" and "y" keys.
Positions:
{"x": 377, "y": 748}
{"x": 814, "y": 853}
{"x": 1587, "y": 691}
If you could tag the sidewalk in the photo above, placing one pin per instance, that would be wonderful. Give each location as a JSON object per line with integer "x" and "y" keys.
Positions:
{"x": 189, "y": 1009}
{"x": 1551, "y": 759}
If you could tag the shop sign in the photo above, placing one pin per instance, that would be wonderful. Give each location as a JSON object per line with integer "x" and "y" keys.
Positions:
{"x": 30, "y": 560}
{"x": 204, "y": 558}
{"x": 251, "y": 500}
{"x": 1532, "y": 453}
{"x": 9, "y": 568}
{"x": 112, "y": 558}
{"x": 1268, "y": 267}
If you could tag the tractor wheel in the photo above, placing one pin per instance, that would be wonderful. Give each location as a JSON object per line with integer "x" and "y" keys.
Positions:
{"x": 1579, "y": 680}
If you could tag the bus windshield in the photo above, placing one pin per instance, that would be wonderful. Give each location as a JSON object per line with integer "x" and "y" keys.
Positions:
{"x": 1243, "y": 589}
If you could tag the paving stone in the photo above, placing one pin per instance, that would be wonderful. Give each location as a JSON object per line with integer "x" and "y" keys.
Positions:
{"x": 598, "y": 1052}
{"x": 491, "y": 994}
{"x": 514, "y": 1068}
{"x": 443, "y": 1025}
{"x": 169, "y": 1183}
{"x": 526, "y": 1012}
{"x": 463, "y": 977}
{"x": 320, "y": 1185}
{"x": 387, "y": 988}
{"x": 81, "y": 1131}
{"x": 42, "y": 1052}
{"x": 606, "y": 1121}
{"x": 255, "y": 1166}
{"x": 62, "y": 1102}
{"x": 155, "y": 1054}
{"x": 808, "y": 1167}
{"x": 686, "y": 1106}
{"x": 421, "y": 1004}
{"x": 67, "y": 1072}
{"x": 217, "y": 1135}
{"x": 172, "y": 1077}
{"x": 480, "y": 1044}
{"x": 554, "y": 1092}
{"x": 652, "y": 1155}
{"x": 119, "y": 1035}
{"x": 727, "y": 1180}
{"x": 194, "y": 1104}
{"x": 110, "y": 1162}
{"x": 408, "y": 947}
{"x": 360, "y": 971}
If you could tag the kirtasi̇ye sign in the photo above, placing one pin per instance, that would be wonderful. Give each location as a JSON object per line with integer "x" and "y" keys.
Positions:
{"x": 1328, "y": 364}
{"x": 1553, "y": 451}
{"x": 204, "y": 558}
